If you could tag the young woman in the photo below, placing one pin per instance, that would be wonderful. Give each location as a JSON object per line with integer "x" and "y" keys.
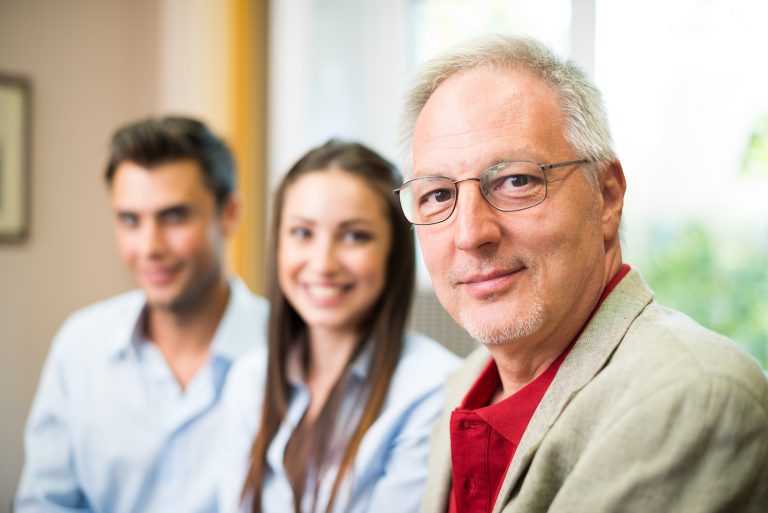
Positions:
{"x": 338, "y": 419}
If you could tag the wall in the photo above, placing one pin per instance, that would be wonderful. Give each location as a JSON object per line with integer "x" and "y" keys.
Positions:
{"x": 93, "y": 65}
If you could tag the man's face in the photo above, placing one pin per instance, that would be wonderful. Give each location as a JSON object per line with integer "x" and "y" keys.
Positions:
{"x": 169, "y": 232}
{"x": 532, "y": 275}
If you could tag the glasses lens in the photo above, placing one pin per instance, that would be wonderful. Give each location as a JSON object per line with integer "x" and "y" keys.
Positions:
{"x": 513, "y": 186}
{"x": 428, "y": 200}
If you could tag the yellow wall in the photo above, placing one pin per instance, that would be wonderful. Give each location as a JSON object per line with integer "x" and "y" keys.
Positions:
{"x": 247, "y": 118}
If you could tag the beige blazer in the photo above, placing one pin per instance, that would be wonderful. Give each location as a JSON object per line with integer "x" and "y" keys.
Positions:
{"x": 650, "y": 412}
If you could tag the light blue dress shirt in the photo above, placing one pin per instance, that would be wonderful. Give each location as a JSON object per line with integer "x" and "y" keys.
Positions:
{"x": 390, "y": 470}
{"x": 111, "y": 430}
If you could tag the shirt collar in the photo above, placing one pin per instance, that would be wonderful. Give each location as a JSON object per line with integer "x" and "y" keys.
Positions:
{"x": 127, "y": 327}
{"x": 509, "y": 417}
{"x": 228, "y": 341}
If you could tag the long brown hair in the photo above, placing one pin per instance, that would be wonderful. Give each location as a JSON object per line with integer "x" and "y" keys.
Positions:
{"x": 385, "y": 327}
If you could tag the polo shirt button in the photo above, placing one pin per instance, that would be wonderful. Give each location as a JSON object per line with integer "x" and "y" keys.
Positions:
{"x": 469, "y": 484}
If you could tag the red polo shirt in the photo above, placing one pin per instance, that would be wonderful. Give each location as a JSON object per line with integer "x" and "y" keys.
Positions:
{"x": 484, "y": 437}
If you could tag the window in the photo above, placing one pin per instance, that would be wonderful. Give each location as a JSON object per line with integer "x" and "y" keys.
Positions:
{"x": 441, "y": 23}
{"x": 686, "y": 97}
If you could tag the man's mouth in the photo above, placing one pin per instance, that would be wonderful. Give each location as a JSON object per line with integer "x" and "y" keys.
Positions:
{"x": 492, "y": 283}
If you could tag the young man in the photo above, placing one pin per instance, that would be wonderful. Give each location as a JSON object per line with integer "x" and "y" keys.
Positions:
{"x": 588, "y": 396}
{"x": 128, "y": 405}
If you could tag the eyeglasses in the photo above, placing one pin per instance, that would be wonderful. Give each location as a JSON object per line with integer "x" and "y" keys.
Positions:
{"x": 507, "y": 186}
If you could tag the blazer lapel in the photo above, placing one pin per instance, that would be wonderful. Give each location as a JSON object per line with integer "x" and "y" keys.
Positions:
{"x": 589, "y": 355}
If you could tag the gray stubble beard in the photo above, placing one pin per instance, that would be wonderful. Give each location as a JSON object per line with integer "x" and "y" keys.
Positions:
{"x": 518, "y": 328}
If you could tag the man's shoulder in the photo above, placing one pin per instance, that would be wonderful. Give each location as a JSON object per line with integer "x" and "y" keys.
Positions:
{"x": 248, "y": 311}
{"x": 664, "y": 350}
{"x": 665, "y": 336}
{"x": 247, "y": 297}
{"x": 244, "y": 326}
{"x": 84, "y": 336}
{"x": 669, "y": 384}
{"x": 106, "y": 314}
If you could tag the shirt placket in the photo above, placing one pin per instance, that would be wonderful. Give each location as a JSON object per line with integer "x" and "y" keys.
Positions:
{"x": 470, "y": 436}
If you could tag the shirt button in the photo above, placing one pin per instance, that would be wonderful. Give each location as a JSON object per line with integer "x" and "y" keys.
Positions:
{"x": 469, "y": 484}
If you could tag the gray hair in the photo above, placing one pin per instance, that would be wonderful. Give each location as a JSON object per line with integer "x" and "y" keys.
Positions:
{"x": 586, "y": 120}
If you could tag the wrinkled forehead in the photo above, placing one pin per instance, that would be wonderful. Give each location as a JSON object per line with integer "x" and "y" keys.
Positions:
{"x": 485, "y": 113}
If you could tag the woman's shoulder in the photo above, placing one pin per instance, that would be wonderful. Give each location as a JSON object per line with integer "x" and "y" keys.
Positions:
{"x": 425, "y": 360}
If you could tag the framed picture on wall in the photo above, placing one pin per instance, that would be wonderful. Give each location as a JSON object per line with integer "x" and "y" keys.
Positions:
{"x": 14, "y": 158}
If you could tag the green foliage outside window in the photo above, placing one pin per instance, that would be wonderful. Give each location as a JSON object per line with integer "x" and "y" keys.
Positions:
{"x": 724, "y": 286}
{"x": 755, "y": 161}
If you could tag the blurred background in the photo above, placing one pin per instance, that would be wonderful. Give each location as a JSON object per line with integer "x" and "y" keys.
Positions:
{"x": 685, "y": 84}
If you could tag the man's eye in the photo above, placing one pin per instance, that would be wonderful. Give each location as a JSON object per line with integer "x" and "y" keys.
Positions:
{"x": 513, "y": 182}
{"x": 300, "y": 233}
{"x": 437, "y": 196}
{"x": 175, "y": 216}
{"x": 128, "y": 220}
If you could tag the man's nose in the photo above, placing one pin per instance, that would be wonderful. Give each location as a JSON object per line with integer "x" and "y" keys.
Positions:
{"x": 476, "y": 221}
{"x": 152, "y": 243}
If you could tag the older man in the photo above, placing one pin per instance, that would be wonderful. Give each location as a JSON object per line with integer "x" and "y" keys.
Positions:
{"x": 587, "y": 395}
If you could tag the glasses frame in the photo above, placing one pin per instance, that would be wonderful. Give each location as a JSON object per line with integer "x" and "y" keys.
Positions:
{"x": 544, "y": 168}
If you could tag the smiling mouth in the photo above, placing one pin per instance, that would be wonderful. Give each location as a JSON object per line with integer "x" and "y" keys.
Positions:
{"x": 486, "y": 285}
{"x": 160, "y": 276}
{"x": 327, "y": 294}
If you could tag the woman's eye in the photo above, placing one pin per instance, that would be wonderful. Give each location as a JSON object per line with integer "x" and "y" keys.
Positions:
{"x": 357, "y": 236}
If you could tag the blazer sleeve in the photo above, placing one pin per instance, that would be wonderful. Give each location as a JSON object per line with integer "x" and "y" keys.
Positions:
{"x": 700, "y": 448}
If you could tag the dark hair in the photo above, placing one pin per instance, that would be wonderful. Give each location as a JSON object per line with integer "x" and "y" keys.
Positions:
{"x": 385, "y": 327}
{"x": 155, "y": 141}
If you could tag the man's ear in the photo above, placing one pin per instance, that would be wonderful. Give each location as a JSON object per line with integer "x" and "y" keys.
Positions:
{"x": 230, "y": 213}
{"x": 612, "y": 188}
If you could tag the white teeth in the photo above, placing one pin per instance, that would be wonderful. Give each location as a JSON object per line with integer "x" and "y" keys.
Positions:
{"x": 325, "y": 292}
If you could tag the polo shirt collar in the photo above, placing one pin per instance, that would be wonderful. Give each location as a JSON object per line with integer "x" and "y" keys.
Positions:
{"x": 510, "y": 416}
